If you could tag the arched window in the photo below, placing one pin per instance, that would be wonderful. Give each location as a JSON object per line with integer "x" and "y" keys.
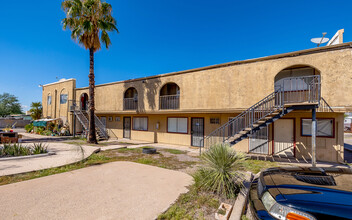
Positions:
{"x": 169, "y": 96}
{"x": 48, "y": 102}
{"x": 63, "y": 96}
{"x": 130, "y": 99}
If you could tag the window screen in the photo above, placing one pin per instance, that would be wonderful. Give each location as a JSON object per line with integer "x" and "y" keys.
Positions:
{"x": 177, "y": 125}
{"x": 140, "y": 124}
{"x": 325, "y": 127}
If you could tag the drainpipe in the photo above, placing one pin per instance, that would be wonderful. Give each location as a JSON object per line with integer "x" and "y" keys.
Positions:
{"x": 314, "y": 136}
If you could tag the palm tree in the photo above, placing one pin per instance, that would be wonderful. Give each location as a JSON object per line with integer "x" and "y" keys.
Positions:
{"x": 36, "y": 110}
{"x": 89, "y": 21}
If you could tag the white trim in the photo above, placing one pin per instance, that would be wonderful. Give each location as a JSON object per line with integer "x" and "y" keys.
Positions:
{"x": 49, "y": 84}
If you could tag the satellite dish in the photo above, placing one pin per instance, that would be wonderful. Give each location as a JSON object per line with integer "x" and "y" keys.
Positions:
{"x": 320, "y": 40}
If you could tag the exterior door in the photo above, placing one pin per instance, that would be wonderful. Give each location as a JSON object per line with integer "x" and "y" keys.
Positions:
{"x": 197, "y": 132}
{"x": 127, "y": 127}
{"x": 284, "y": 137}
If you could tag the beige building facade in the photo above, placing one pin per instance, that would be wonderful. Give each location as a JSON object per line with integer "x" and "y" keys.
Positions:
{"x": 183, "y": 107}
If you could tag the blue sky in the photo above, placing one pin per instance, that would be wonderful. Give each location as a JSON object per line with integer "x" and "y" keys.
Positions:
{"x": 156, "y": 36}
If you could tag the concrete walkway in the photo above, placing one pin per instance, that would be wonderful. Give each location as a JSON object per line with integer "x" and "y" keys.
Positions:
{"x": 64, "y": 154}
{"x": 117, "y": 190}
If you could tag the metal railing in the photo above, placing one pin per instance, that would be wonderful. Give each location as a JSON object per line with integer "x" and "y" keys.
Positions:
{"x": 305, "y": 89}
{"x": 102, "y": 128}
{"x": 324, "y": 106}
{"x": 83, "y": 118}
{"x": 290, "y": 91}
{"x": 130, "y": 104}
{"x": 169, "y": 102}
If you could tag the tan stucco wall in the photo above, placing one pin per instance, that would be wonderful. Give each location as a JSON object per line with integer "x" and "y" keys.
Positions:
{"x": 232, "y": 87}
{"x": 328, "y": 149}
{"x": 161, "y": 135}
{"x": 57, "y": 110}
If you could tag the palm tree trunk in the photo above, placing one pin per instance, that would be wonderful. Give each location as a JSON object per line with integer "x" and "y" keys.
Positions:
{"x": 92, "y": 138}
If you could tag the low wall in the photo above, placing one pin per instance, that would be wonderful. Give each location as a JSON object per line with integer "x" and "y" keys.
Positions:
{"x": 9, "y": 122}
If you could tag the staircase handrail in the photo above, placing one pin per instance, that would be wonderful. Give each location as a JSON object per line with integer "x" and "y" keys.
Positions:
{"x": 243, "y": 113}
{"x": 100, "y": 125}
{"x": 279, "y": 97}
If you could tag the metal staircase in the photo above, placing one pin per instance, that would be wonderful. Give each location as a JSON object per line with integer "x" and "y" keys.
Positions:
{"x": 290, "y": 94}
{"x": 82, "y": 117}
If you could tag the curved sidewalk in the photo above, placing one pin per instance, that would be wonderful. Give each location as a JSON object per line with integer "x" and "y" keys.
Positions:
{"x": 64, "y": 154}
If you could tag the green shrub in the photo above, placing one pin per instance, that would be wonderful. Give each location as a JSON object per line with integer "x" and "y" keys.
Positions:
{"x": 38, "y": 130}
{"x": 220, "y": 171}
{"x": 39, "y": 148}
{"x": 14, "y": 150}
{"x": 29, "y": 127}
{"x": 51, "y": 126}
{"x": 47, "y": 132}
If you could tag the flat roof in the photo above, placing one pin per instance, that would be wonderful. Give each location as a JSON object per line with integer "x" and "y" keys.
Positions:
{"x": 271, "y": 57}
{"x": 60, "y": 81}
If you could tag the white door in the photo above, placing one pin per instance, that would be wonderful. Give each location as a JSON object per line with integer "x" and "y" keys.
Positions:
{"x": 284, "y": 137}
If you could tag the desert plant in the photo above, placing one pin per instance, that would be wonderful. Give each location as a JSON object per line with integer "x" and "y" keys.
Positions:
{"x": 15, "y": 150}
{"x": 39, "y": 148}
{"x": 219, "y": 172}
{"x": 28, "y": 127}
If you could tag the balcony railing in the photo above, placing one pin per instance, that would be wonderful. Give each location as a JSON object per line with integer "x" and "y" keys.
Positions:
{"x": 169, "y": 102}
{"x": 130, "y": 104}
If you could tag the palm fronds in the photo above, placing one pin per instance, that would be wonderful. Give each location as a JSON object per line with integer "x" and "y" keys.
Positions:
{"x": 89, "y": 21}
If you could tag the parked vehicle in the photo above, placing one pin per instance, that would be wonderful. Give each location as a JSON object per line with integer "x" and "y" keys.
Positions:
{"x": 295, "y": 193}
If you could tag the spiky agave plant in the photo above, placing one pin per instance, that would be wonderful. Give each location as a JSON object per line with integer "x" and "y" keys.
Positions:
{"x": 219, "y": 172}
{"x": 39, "y": 148}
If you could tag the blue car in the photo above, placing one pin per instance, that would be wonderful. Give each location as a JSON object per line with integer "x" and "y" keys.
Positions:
{"x": 296, "y": 193}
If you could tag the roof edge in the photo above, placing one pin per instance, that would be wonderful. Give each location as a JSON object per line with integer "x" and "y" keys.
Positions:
{"x": 232, "y": 63}
{"x": 49, "y": 84}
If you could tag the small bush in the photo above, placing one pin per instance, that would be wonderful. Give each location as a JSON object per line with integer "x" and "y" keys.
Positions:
{"x": 47, "y": 132}
{"x": 29, "y": 127}
{"x": 220, "y": 171}
{"x": 39, "y": 148}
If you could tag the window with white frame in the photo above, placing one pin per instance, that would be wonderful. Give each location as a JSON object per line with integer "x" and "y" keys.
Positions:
{"x": 177, "y": 125}
{"x": 140, "y": 123}
{"x": 325, "y": 127}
